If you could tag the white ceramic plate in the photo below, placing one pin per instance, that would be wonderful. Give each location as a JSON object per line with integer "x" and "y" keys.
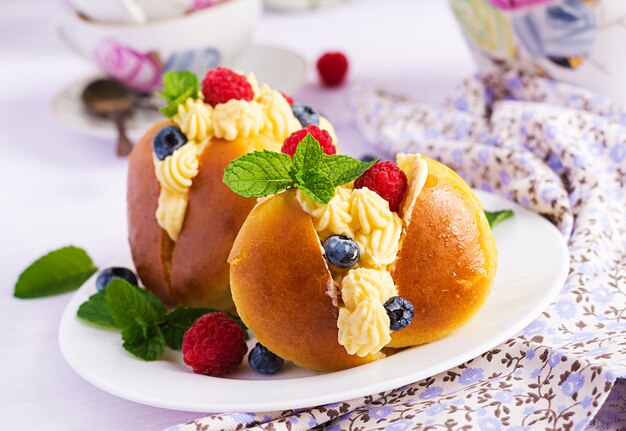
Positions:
{"x": 280, "y": 68}
{"x": 533, "y": 265}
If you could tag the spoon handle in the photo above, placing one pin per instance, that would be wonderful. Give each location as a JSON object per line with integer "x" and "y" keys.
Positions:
{"x": 124, "y": 146}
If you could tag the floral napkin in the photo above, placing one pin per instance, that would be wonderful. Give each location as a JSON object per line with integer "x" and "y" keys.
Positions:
{"x": 560, "y": 151}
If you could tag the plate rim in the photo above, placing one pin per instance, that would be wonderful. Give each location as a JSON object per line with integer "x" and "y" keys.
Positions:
{"x": 331, "y": 396}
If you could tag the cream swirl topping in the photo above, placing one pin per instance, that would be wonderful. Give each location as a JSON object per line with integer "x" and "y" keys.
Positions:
{"x": 237, "y": 119}
{"x": 176, "y": 171}
{"x": 194, "y": 119}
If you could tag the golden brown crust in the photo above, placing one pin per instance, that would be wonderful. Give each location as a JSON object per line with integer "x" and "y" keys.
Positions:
{"x": 145, "y": 236}
{"x": 445, "y": 267}
{"x": 280, "y": 284}
{"x": 193, "y": 270}
{"x": 447, "y": 260}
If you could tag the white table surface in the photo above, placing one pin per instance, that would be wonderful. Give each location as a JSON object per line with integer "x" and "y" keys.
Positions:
{"x": 58, "y": 187}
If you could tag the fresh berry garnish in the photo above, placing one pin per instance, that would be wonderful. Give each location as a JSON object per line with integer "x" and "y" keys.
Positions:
{"x": 322, "y": 136}
{"x": 386, "y": 179}
{"x": 332, "y": 67}
{"x": 168, "y": 140}
{"x": 305, "y": 114}
{"x": 289, "y": 99}
{"x": 108, "y": 274}
{"x": 264, "y": 361}
{"x": 214, "y": 345}
{"x": 367, "y": 158}
{"x": 221, "y": 85}
{"x": 400, "y": 312}
{"x": 341, "y": 251}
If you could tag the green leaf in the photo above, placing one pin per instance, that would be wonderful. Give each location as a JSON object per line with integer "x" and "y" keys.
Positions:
{"x": 497, "y": 217}
{"x": 57, "y": 272}
{"x": 180, "y": 319}
{"x": 317, "y": 186}
{"x": 178, "y": 86}
{"x": 155, "y": 303}
{"x": 342, "y": 169}
{"x": 260, "y": 173}
{"x": 308, "y": 156}
{"x": 143, "y": 338}
{"x": 95, "y": 310}
{"x": 126, "y": 303}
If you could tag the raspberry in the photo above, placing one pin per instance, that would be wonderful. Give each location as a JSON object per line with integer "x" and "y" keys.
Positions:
{"x": 386, "y": 179}
{"x": 332, "y": 68}
{"x": 221, "y": 85}
{"x": 292, "y": 142}
{"x": 214, "y": 345}
{"x": 289, "y": 99}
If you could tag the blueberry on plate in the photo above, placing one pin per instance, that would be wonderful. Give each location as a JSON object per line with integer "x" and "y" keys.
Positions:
{"x": 168, "y": 140}
{"x": 264, "y": 361}
{"x": 305, "y": 114}
{"x": 341, "y": 251}
{"x": 108, "y": 274}
{"x": 400, "y": 312}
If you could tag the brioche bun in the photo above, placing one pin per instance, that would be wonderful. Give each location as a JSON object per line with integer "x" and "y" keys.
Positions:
{"x": 193, "y": 270}
{"x": 283, "y": 288}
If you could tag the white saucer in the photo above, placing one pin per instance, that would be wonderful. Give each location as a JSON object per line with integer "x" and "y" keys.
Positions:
{"x": 282, "y": 69}
{"x": 533, "y": 265}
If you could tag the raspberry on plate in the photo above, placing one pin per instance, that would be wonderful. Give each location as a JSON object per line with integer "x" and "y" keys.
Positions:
{"x": 387, "y": 180}
{"x": 332, "y": 68}
{"x": 221, "y": 85}
{"x": 322, "y": 136}
{"x": 214, "y": 345}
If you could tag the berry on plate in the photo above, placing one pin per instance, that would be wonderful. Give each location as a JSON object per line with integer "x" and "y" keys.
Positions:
{"x": 332, "y": 68}
{"x": 400, "y": 312}
{"x": 214, "y": 345}
{"x": 108, "y": 274}
{"x": 341, "y": 251}
{"x": 305, "y": 114}
{"x": 168, "y": 140}
{"x": 264, "y": 361}
{"x": 387, "y": 180}
{"x": 322, "y": 136}
{"x": 221, "y": 85}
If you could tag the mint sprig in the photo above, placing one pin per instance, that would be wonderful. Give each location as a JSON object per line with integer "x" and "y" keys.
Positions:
{"x": 57, "y": 272}
{"x": 263, "y": 173}
{"x": 496, "y": 217}
{"x": 178, "y": 86}
{"x": 145, "y": 325}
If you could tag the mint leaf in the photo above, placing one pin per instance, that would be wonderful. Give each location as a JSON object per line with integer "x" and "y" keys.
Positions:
{"x": 178, "y": 86}
{"x": 342, "y": 169}
{"x": 180, "y": 319}
{"x": 260, "y": 173}
{"x": 126, "y": 303}
{"x": 143, "y": 338}
{"x": 308, "y": 156}
{"x": 95, "y": 310}
{"x": 317, "y": 186}
{"x": 57, "y": 272}
{"x": 155, "y": 303}
{"x": 497, "y": 217}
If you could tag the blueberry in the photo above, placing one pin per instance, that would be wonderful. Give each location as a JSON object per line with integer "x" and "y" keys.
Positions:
{"x": 400, "y": 312}
{"x": 341, "y": 251}
{"x": 368, "y": 158}
{"x": 108, "y": 274}
{"x": 168, "y": 140}
{"x": 264, "y": 361}
{"x": 305, "y": 114}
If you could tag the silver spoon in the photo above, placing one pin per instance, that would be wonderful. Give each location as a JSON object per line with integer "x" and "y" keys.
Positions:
{"x": 109, "y": 98}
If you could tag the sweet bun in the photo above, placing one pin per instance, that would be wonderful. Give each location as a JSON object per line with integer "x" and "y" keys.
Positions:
{"x": 193, "y": 270}
{"x": 284, "y": 290}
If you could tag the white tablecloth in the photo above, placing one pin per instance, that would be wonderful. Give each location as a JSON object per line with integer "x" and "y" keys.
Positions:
{"x": 58, "y": 187}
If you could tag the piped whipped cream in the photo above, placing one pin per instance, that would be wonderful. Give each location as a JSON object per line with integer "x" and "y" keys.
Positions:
{"x": 361, "y": 214}
{"x": 267, "y": 121}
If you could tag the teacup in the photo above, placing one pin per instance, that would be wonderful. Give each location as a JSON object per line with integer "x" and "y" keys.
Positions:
{"x": 138, "y": 54}
{"x": 575, "y": 41}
